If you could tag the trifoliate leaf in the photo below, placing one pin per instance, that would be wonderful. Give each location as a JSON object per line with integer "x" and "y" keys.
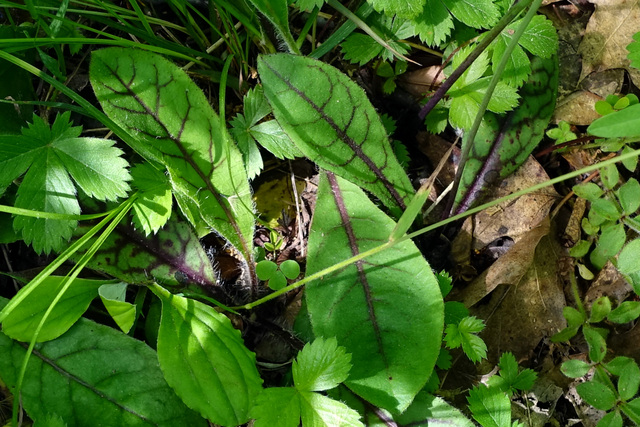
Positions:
{"x": 152, "y": 208}
{"x": 246, "y": 130}
{"x": 321, "y": 365}
{"x": 462, "y": 334}
{"x": 434, "y": 24}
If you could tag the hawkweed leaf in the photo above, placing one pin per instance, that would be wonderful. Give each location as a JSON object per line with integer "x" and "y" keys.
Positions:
{"x": 332, "y": 122}
{"x": 157, "y": 102}
{"x": 378, "y": 308}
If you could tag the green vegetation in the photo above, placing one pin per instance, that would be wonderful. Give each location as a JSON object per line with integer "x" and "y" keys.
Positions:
{"x": 129, "y": 217}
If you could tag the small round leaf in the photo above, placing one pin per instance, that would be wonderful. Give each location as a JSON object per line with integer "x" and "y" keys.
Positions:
{"x": 589, "y": 191}
{"x": 629, "y": 196}
{"x": 278, "y": 281}
{"x": 600, "y": 309}
{"x": 626, "y": 312}
{"x": 575, "y": 368}
{"x": 265, "y": 269}
{"x": 290, "y": 268}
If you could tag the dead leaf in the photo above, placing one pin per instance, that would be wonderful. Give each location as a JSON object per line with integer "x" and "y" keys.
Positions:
{"x": 528, "y": 311}
{"x": 608, "y": 33}
{"x": 577, "y": 108}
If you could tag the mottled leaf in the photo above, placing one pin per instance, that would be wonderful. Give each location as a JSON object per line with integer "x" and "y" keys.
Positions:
{"x": 156, "y": 102}
{"x": 173, "y": 256}
{"x": 501, "y": 147}
{"x": 94, "y": 374}
{"x": 333, "y": 123}
{"x": 205, "y": 361}
{"x": 378, "y": 308}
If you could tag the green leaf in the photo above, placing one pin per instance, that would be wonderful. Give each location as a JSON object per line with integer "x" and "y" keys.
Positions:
{"x": 612, "y": 419}
{"x": 434, "y": 409}
{"x": 113, "y": 297}
{"x": 308, "y": 5}
{"x": 609, "y": 244}
{"x": 319, "y": 410}
{"x": 278, "y": 281}
{"x": 596, "y": 341}
{"x": 152, "y": 208}
{"x": 333, "y": 123}
{"x": 580, "y": 249}
{"x": 634, "y": 51}
{"x": 290, "y": 268}
{"x": 626, "y": 312}
{"x": 610, "y": 176}
{"x": 463, "y": 334}
{"x": 505, "y": 146}
{"x": 51, "y": 156}
{"x": 490, "y": 406}
{"x": 629, "y": 196}
{"x": 632, "y": 410}
{"x": 575, "y": 368}
{"x": 629, "y": 380}
{"x": 515, "y": 380}
{"x": 540, "y": 37}
{"x": 477, "y": 14}
{"x": 629, "y": 258}
{"x": 22, "y": 322}
{"x": 600, "y": 309}
{"x": 623, "y": 123}
{"x": 321, "y": 365}
{"x": 573, "y": 316}
{"x": 158, "y": 104}
{"x": 91, "y": 373}
{"x": 379, "y": 314}
{"x": 597, "y": 395}
{"x": 588, "y": 191}
{"x": 434, "y": 24}
{"x": 403, "y": 8}
{"x": 518, "y": 67}
{"x": 278, "y": 406}
{"x": 205, "y": 361}
{"x": 173, "y": 256}
{"x": 266, "y": 269}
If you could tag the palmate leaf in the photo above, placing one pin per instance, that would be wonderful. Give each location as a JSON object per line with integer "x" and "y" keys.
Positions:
{"x": 332, "y": 122}
{"x": 94, "y": 374}
{"x": 386, "y": 310}
{"x": 54, "y": 158}
{"x": 157, "y": 102}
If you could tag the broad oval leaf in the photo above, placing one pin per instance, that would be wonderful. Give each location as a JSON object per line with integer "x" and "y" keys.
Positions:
{"x": 332, "y": 122}
{"x": 93, "y": 373}
{"x": 22, "y": 322}
{"x": 155, "y": 101}
{"x": 386, "y": 310}
{"x": 205, "y": 361}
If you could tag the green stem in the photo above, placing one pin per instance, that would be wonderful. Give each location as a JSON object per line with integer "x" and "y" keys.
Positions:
{"x": 384, "y": 246}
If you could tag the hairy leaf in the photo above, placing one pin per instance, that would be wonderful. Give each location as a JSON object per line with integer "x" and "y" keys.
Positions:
{"x": 92, "y": 373}
{"x": 157, "y": 103}
{"x": 333, "y": 123}
{"x": 501, "y": 147}
{"x": 379, "y": 308}
{"x": 205, "y": 361}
